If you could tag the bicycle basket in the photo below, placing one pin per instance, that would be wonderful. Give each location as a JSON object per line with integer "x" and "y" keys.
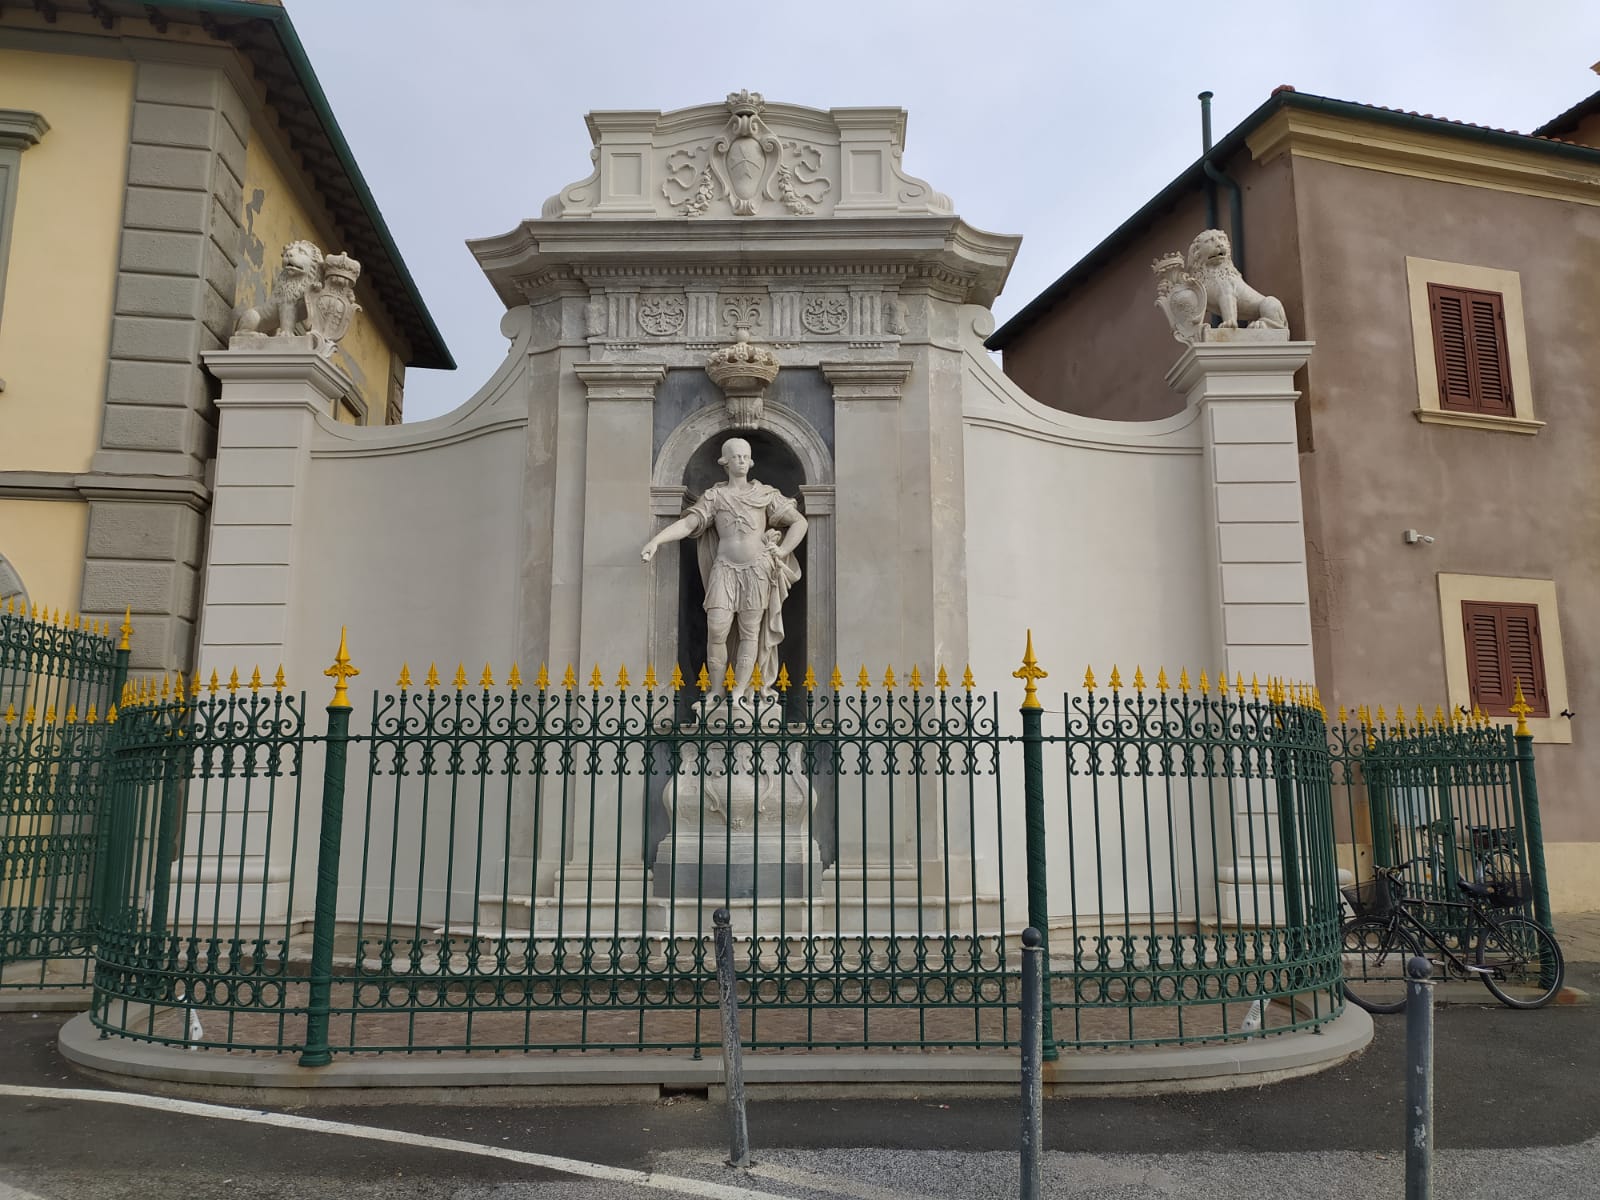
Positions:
{"x": 1372, "y": 898}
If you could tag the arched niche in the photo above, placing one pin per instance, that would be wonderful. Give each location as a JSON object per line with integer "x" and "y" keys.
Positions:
{"x": 792, "y": 456}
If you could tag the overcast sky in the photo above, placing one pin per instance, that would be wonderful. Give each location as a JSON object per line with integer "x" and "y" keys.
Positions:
{"x": 1050, "y": 120}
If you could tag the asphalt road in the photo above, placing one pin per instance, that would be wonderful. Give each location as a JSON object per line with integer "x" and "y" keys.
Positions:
{"x": 1517, "y": 1109}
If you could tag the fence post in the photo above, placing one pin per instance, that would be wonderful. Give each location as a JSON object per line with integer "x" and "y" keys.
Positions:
{"x": 109, "y": 851}
{"x": 317, "y": 1053}
{"x": 1419, "y": 1079}
{"x": 1032, "y": 1061}
{"x": 732, "y": 1053}
{"x": 1033, "y": 798}
{"x": 1532, "y": 827}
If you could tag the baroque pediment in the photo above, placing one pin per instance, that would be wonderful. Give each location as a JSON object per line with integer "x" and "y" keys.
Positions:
{"x": 747, "y": 157}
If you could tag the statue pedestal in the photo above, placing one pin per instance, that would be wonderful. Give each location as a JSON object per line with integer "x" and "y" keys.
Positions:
{"x": 736, "y": 865}
{"x": 740, "y": 831}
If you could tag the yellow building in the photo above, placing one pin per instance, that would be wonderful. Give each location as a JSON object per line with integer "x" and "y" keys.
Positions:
{"x": 154, "y": 160}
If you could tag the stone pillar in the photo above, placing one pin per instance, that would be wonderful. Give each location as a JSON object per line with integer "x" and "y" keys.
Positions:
{"x": 1260, "y": 602}
{"x": 871, "y": 569}
{"x": 618, "y": 593}
{"x": 270, "y": 398}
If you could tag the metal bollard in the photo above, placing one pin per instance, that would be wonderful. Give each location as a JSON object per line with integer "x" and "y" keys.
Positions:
{"x": 732, "y": 1053}
{"x": 1032, "y": 1061}
{"x": 1419, "y": 1079}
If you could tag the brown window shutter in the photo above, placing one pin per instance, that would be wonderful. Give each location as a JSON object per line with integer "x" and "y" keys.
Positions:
{"x": 1450, "y": 346}
{"x": 1485, "y": 674}
{"x": 1525, "y": 655}
{"x": 1469, "y": 347}
{"x": 1503, "y": 646}
{"x": 1493, "y": 376}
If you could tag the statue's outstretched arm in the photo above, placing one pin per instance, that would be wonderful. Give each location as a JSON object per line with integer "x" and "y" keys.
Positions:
{"x": 681, "y": 528}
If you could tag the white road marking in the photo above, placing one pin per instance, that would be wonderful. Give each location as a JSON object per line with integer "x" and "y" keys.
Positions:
{"x": 569, "y": 1166}
{"x": 7, "y": 1192}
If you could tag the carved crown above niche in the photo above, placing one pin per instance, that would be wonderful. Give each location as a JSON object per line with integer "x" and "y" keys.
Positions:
{"x": 746, "y": 157}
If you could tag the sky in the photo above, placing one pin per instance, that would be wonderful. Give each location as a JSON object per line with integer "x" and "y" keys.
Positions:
{"x": 1050, "y": 120}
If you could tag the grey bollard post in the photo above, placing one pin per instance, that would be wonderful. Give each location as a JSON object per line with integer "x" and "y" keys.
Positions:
{"x": 1419, "y": 1079}
{"x": 732, "y": 1053}
{"x": 1032, "y": 1061}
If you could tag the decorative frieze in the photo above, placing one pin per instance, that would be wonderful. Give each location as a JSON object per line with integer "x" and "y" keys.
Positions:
{"x": 825, "y": 314}
{"x": 662, "y": 316}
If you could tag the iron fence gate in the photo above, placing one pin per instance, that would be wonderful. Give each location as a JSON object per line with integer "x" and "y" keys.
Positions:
{"x": 58, "y": 679}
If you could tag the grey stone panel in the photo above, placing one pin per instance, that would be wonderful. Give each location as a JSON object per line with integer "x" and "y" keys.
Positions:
{"x": 148, "y": 252}
{"x": 146, "y": 587}
{"x": 222, "y": 276}
{"x": 165, "y": 208}
{"x": 230, "y": 149}
{"x": 171, "y": 339}
{"x": 169, "y": 125}
{"x": 129, "y": 427}
{"x": 223, "y": 227}
{"x": 169, "y": 167}
{"x": 228, "y": 192}
{"x": 217, "y": 316}
{"x": 160, "y": 463}
{"x": 178, "y": 83}
{"x": 123, "y": 529}
{"x": 169, "y": 383}
{"x": 159, "y": 296}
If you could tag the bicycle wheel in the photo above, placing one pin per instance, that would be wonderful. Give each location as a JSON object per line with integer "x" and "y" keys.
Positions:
{"x": 1526, "y": 963}
{"x": 1375, "y": 957}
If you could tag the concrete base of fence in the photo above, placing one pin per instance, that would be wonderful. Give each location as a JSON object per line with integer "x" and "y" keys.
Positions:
{"x": 45, "y": 1000}
{"x": 587, "y": 1078}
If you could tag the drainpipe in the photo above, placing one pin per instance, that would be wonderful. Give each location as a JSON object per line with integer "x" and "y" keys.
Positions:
{"x": 1215, "y": 176}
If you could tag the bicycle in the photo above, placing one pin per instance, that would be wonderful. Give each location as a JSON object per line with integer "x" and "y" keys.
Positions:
{"x": 1510, "y": 954}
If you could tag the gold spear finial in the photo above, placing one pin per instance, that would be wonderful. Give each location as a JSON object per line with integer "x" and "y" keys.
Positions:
{"x": 809, "y": 682}
{"x": 1030, "y": 672}
{"x": 967, "y": 681}
{"x": 889, "y": 680}
{"x": 916, "y": 678}
{"x": 11, "y": 714}
{"x": 942, "y": 679}
{"x": 514, "y": 678}
{"x": 255, "y": 682}
{"x": 650, "y": 680}
{"x": 703, "y": 680}
{"x": 622, "y": 677}
{"x": 756, "y": 681}
{"x": 486, "y": 680}
{"x": 729, "y": 679}
{"x": 1116, "y": 678}
{"x": 783, "y": 681}
{"x": 278, "y": 680}
{"x": 542, "y": 679}
{"x": 233, "y": 681}
{"x": 460, "y": 681}
{"x": 431, "y": 680}
{"x": 127, "y": 629}
{"x": 341, "y": 672}
{"x": 836, "y": 680}
{"x": 1138, "y": 678}
{"x": 677, "y": 678}
{"x": 211, "y": 687}
{"x": 863, "y": 680}
{"x": 1088, "y": 678}
{"x": 1520, "y": 708}
{"x": 405, "y": 677}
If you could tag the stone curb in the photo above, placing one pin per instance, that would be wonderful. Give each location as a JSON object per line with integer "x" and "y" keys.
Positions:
{"x": 281, "y": 1080}
{"x": 52, "y": 1001}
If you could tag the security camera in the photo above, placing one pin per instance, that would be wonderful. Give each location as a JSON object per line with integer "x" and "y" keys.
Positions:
{"x": 1411, "y": 537}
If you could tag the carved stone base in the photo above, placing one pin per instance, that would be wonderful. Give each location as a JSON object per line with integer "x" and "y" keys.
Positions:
{"x": 720, "y": 866}
{"x": 1243, "y": 335}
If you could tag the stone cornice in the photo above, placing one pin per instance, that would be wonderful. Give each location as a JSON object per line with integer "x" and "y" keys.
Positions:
{"x": 100, "y": 485}
{"x": 1245, "y": 371}
{"x": 964, "y": 264}
{"x": 1423, "y": 154}
{"x": 620, "y": 381}
{"x": 867, "y": 380}
{"x": 21, "y": 128}
{"x": 274, "y": 366}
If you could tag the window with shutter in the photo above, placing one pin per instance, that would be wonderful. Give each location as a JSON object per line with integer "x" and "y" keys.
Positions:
{"x": 1503, "y": 646}
{"x": 1469, "y": 344}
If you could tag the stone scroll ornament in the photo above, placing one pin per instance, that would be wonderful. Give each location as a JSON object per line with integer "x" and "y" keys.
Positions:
{"x": 747, "y": 166}
{"x": 1206, "y": 283}
{"x": 311, "y": 295}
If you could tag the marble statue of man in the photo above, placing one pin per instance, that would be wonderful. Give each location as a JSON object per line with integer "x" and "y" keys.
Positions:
{"x": 747, "y": 565}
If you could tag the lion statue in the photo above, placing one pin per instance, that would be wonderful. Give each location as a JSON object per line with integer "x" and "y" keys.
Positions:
{"x": 300, "y": 274}
{"x": 1210, "y": 262}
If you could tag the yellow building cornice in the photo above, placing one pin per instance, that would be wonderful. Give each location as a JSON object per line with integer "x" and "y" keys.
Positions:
{"x": 1423, "y": 154}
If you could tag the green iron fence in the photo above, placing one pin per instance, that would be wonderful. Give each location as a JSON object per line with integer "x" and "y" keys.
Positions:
{"x": 1448, "y": 798}
{"x": 58, "y": 679}
{"x": 510, "y": 867}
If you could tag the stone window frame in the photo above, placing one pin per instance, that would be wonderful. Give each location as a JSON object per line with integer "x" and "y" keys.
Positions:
{"x": 1501, "y": 589}
{"x": 1420, "y": 272}
{"x": 20, "y": 129}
